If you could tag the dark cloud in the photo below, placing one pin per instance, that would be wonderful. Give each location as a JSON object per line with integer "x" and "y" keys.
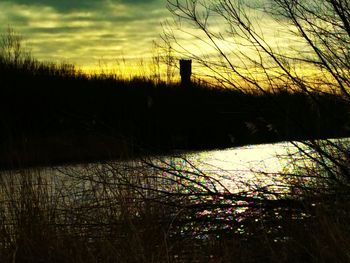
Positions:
{"x": 138, "y": 1}
{"x": 84, "y": 31}
{"x": 56, "y": 30}
{"x": 74, "y": 5}
{"x": 60, "y": 5}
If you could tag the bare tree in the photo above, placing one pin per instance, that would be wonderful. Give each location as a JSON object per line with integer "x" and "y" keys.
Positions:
{"x": 300, "y": 45}
{"x": 11, "y": 47}
{"x": 165, "y": 56}
{"x": 241, "y": 52}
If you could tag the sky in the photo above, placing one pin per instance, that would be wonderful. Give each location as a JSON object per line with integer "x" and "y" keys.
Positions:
{"x": 95, "y": 34}
{"x": 85, "y": 32}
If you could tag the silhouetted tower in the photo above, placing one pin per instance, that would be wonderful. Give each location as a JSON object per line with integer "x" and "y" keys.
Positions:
{"x": 185, "y": 71}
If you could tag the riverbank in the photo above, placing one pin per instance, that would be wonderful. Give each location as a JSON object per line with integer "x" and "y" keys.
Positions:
{"x": 52, "y": 114}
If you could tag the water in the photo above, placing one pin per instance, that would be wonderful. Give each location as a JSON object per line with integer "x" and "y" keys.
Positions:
{"x": 225, "y": 187}
{"x": 194, "y": 197}
{"x": 234, "y": 170}
{"x": 240, "y": 169}
{"x": 204, "y": 195}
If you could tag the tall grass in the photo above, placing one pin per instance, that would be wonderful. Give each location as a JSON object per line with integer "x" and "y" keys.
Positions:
{"x": 157, "y": 210}
{"x": 56, "y": 221}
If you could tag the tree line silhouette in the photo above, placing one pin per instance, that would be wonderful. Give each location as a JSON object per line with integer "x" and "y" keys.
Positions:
{"x": 56, "y": 108}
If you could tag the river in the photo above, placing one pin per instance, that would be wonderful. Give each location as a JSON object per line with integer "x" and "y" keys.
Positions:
{"x": 237, "y": 169}
{"x": 212, "y": 190}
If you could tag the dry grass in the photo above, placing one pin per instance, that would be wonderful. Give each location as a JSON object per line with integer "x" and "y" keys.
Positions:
{"x": 117, "y": 213}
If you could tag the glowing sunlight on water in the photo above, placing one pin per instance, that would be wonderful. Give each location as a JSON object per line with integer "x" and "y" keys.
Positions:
{"x": 245, "y": 167}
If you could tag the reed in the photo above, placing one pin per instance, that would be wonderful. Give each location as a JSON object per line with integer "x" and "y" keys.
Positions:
{"x": 153, "y": 210}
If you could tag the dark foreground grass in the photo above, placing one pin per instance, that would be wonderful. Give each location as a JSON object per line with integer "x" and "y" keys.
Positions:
{"x": 153, "y": 211}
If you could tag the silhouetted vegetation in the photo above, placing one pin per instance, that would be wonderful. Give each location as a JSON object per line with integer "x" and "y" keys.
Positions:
{"x": 54, "y": 113}
{"x": 163, "y": 209}
{"x": 167, "y": 210}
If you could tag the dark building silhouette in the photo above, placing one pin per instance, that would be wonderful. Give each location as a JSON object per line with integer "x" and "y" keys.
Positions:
{"x": 185, "y": 71}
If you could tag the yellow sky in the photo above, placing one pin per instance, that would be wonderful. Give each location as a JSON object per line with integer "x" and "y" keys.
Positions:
{"x": 117, "y": 36}
{"x": 83, "y": 32}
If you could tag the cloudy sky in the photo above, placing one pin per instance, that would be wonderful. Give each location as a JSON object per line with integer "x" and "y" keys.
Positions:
{"x": 91, "y": 33}
{"x": 85, "y": 31}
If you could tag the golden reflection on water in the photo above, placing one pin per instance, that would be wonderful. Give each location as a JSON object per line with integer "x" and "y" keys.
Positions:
{"x": 239, "y": 181}
{"x": 198, "y": 181}
{"x": 246, "y": 167}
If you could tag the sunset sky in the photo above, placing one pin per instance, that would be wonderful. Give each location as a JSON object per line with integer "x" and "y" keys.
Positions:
{"x": 84, "y": 32}
{"x": 91, "y": 33}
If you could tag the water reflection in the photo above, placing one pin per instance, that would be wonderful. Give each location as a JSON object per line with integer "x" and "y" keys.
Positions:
{"x": 242, "y": 168}
{"x": 230, "y": 186}
{"x": 202, "y": 194}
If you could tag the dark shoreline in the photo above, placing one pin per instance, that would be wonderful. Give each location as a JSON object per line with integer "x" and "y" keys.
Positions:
{"x": 95, "y": 152}
{"x": 51, "y": 115}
